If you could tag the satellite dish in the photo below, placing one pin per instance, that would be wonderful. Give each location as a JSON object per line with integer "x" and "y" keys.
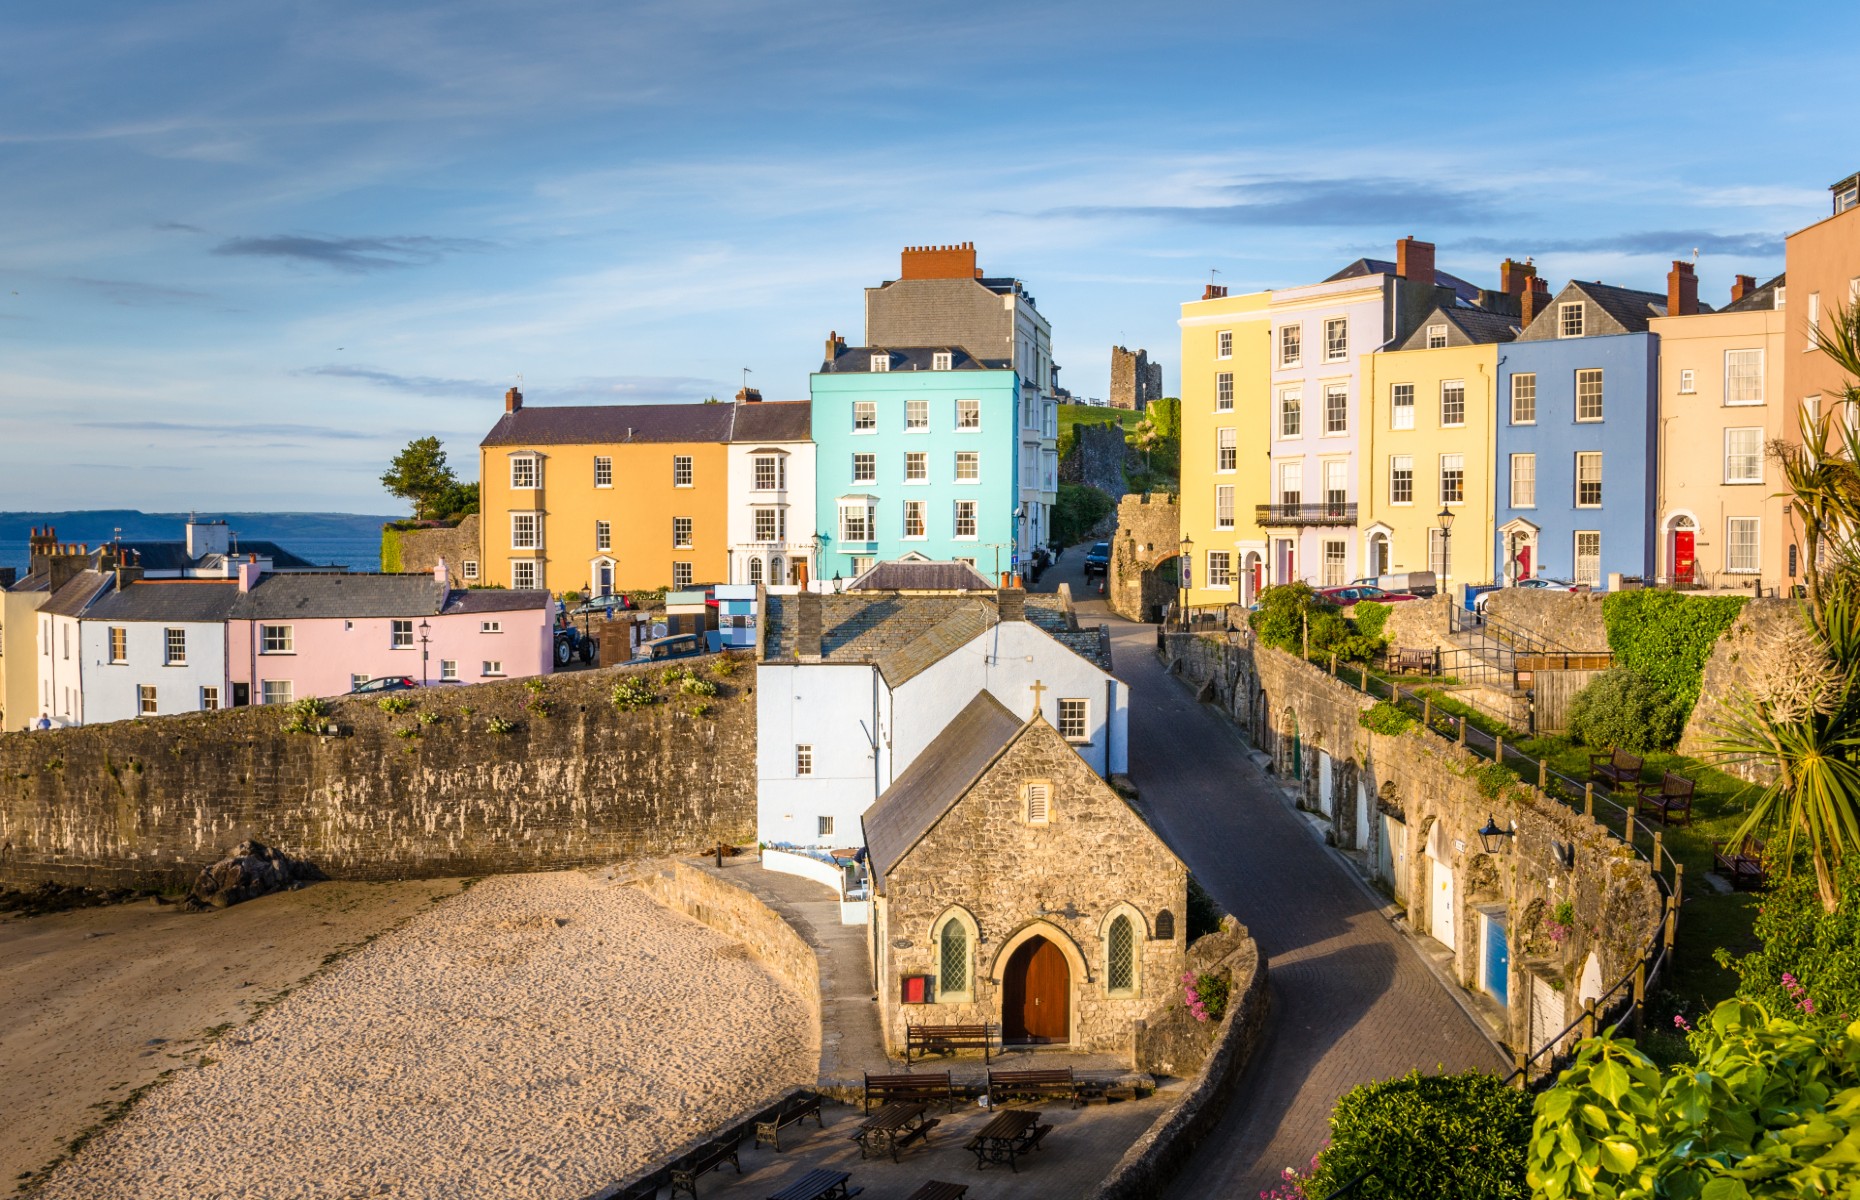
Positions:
{"x": 659, "y": 630}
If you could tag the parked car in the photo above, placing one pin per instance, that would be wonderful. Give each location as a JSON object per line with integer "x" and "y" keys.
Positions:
{"x": 1346, "y": 596}
{"x": 1537, "y": 581}
{"x": 1098, "y": 558}
{"x": 384, "y": 685}
{"x": 677, "y": 645}
{"x": 571, "y": 643}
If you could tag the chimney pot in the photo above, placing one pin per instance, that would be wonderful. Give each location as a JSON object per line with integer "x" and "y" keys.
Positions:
{"x": 1414, "y": 261}
{"x": 1742, "y": 286}
{"x": 1682, "y": 290}
{"x": 1213, "y": 291}
{"x": 513, "y": 400}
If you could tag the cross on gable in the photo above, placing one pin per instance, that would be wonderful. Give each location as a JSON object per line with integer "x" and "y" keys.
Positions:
{"x": 1038, "y": 688}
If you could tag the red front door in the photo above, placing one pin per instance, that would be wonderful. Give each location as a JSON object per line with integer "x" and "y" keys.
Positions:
{"x": 1036, "y": 994}
{"x": 1684, "y": 561}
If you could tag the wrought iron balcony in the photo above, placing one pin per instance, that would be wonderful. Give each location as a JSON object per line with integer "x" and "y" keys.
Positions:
{"x": 1338, "y": 513}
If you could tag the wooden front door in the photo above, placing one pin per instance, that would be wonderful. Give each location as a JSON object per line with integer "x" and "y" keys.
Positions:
{"x": 1036, "y": 994}
{"x": 1685, "y": 557}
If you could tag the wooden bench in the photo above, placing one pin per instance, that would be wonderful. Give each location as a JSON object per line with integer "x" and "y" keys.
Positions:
{"x": 928, "y": 1088}
{"x": 709, "y": 1158}
{"x": 819, "y": 1184}
{"x": 1668, "y": 799}
{"x": 1032, "y": 1085}
{"x": 947, "y": 1039}
{"x": 791, "y": 1112}
{"x": 1409, "y": 661}
{"x": 1617, "y": 768}
{"x": 643, "y": 1189}
{"x": 936, "y": 1189}
{"x": 1743, "y": 863}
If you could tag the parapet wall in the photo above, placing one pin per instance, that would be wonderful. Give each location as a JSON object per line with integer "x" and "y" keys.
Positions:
{"x": 573, "y": 782}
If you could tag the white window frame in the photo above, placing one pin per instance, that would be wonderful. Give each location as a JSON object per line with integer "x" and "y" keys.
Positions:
{"x": 1437, "y": 337}
{"x": 683, "y": 533}
{"x": 1449, "y": 387}
{"x": 1524, "y": 481}
{"x": 1452, "y": 465}
{"x": 1291, "y": 344}
{"x": 518, "y": 473}
{"x": 1755, "y": 377}
{"x": 1336, "y": 339}
{"x": 1401, "y": 478}
{"x": 1339, "y": 392}
{"x": 917, "y": 416}
{"x": 1036, "y": 801}
{"x": 766, "y": 524}
{"x": 1524, "y": 388}
{"x": 1224, "y": 391}
{"x": 965, "y": 514}
{"x": 1336, "y": 470}
{"x": 968, "y": 416}
{"x": 1814, "y": 319}
{"x": 520, "y": 567}
{"x": 147, "y": 704}
{"x": 471, "y": 569}
{"x": 1292, "y": 473}
{"x": 273, "y": 692}
{"x": 1220, "y": 569}
{"x": 276, "y": 639}
{"x": 1226, "y": 450}
{"x": 1224, "y": 343}
{"x": 771, "y": 473}
{"x": 448, "y": 668}
{"x": 400, "y": 633}
{"x": 1601, "y": 394}
{"x": 490, "y": 627}
{"x": 865, "y": 417}
{"x": 491, "y": 668}
{"x": 210, "y": 698}
{"x": 682, "y": 574}
{"x": 942, "y": 360}
{"x": 917, "y": 461}
{"x": 973, "y": 459}
{"x": 862, "y": 525}
{"x": 1753, "y": 565}
{"x": 914, "y": 511}
{"x": 684, "y": 471}
{"x": 1401, "y": 406}
{"x": 1335, "y": 562}
{"x": 1591, "y": 575}
{"x": 603, "y": 471}
{"x": 1566, "y": 327}
{"x": 1688, "y": 382}
{"x": 1752, "y": 457}
{"x": 603, "y": 535}
{"x": 1224, "y": 506}
{"x": 1075, "y": 719}
{"x": 119, "y": 644}
{"x": 1582, "y": 457}
{"x": 803, "y": 758}
{"x": 881, "y": 363}
{"x": 869, "y": 461}
{"x": 526, "y": 531}
{"x": 1292, "y": 405}
{"x": 174, "y": 647}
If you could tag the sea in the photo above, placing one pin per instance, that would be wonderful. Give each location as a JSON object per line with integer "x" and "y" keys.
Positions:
{"x": 351, "y": 540}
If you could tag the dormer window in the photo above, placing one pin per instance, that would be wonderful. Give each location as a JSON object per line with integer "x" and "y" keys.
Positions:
{"x": 1436, "y": 337}
{"x": 523, "y": 471}
{"x": 881, "y": 362}
{"x": 942, "y": 360}
{"x": 1569, "y": 320}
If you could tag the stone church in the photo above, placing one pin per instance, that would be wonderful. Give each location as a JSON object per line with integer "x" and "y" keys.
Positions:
{"x": 1015, "y": 886}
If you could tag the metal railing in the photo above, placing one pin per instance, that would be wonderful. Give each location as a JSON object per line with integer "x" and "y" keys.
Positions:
{"x": 1339, "y": 513}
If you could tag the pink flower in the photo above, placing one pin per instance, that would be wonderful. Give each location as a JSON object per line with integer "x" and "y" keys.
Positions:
{"x": 1808, "y": 1005}
{"x": 1680, "y": 1022}
{"x": 1788, "y": 980}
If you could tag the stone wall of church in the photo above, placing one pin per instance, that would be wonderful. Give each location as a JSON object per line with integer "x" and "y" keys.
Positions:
{"x": 1094, "y": 855}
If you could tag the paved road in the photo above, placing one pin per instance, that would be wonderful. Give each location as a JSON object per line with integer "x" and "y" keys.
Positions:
{"x": 1351, "y": 1000}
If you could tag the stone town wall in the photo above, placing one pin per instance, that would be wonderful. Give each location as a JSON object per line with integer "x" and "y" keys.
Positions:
{"x": 1154, "y": 1159}
{"x": 1095, "y": 855}
{"x": 1097, "y": 459}
{"x": 1572, "y": 620}
{"x": 421, "y": 549}
{"x": 1149, "y": 530}
{"x": 1437, "y": 795}
{"x": 1766, "y": 637}
{"x": 149, "y": 802}
{"x": 1420, "y": 624}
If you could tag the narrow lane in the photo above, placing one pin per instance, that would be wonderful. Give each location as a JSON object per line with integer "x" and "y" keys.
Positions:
{"x": 1351, "y": 1001}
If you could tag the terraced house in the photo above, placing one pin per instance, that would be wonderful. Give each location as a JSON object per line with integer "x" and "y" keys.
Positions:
{"x": 1226, "y": 451}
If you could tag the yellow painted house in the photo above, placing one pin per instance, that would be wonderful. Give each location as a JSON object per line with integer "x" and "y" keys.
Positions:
{"x": 1226, "y": 470}
{"x": 1429, "y": 444}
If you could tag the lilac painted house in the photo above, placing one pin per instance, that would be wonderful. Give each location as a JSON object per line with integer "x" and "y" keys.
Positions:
{"x": 297, "y": 635}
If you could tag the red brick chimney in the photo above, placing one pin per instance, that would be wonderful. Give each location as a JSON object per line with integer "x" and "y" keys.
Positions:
{"x": 939, "y": 262}
{"x": 1214, "y": 291}
{"x": 513, "y": 400}
{"x": 1682, "y": 290}
{"x": 836, "y": 345}
{"x": 1742, "y": 286}
{"x": 1514, "y": 277}
{"x": 1414, "y": 261}
{"x": 1535, "y": 298}
{"x": 749, "y": 395}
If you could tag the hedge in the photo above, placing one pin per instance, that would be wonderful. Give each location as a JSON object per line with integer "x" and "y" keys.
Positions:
{"x": 1668, "y": 636}
{"x": 390, "y": 550}
{"x": 1446, "y": 1137}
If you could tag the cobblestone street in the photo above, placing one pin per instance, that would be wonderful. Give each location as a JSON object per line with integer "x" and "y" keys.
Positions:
{"x": 1351, "y": 1001}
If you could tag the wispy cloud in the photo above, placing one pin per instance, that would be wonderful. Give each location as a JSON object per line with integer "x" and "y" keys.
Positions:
{"x": 1673, "y": 242}
{"x": 175, "y": 227}
{"x": 131, "y": 294}
{"x": 1313, "y": 202}
{"x": 419, "y": 385}
{"x": 355, "y": 254}
{"x": 605, "y": 389}
{"x": 323, "y": 432}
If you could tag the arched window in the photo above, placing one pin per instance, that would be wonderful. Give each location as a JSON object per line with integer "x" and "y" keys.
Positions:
{"x": 953, "y": 938}
{"x": 1120, "y": 965}
{"x": 755, "y": 571}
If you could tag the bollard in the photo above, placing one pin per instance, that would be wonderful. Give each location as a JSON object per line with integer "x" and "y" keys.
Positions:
{"x": 1498, "y": 749}
{"x": 1427, "y": 712}
{"x": 1543, "y": 774}
{"x": 1640, "y": 996}
{"x": 1672, "y": 922}
{"x": 1679, "y": 883}
{"x": 1462, "y": 721}
{"x": 719, "y": 855}
{"x": 1333, "y": 663}
{"x": 1523, "y": 1070}
{"x": 1588, "y": 801}
{"x": 1588, "y": 1015}
{"x": 1656, "y": 852}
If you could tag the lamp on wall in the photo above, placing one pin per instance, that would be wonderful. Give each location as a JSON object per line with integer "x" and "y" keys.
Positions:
{"x": 1446, "y": 558}
{"x": 425, "y": 628}
{"x": 1182, "y": 569}
{"x": 1492, "y": 837}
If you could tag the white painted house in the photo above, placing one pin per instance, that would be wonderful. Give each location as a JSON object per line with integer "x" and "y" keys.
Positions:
{"x": 851, "y": 688}
{"x": 770, "y": 521}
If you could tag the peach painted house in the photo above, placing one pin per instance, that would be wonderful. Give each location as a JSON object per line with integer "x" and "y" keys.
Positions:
{"x": 297, "y": 635}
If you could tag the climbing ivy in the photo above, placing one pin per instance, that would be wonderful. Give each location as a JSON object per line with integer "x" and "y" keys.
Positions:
{"x": 1668, "y": 636}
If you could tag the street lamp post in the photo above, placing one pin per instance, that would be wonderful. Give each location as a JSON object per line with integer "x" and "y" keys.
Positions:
{"x": 1183, "y": 567}
{"x": 425, "y": 629}
{"x": 1446, "y": 559}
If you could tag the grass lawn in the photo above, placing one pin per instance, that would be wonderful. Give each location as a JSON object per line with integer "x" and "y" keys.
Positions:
{"x": 1091, "y": 414}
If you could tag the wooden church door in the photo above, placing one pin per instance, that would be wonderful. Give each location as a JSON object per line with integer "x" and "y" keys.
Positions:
{"x": 1036, "y": 994}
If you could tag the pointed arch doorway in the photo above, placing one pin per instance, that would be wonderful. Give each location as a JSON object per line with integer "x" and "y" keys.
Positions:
{"x": 1036, "y": 994}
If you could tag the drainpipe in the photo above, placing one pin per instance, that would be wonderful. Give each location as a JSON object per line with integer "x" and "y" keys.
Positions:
{"x": 1110, "y": 722}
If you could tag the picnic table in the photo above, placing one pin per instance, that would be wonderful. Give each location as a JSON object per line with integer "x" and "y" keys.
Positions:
{"x": 892, "y": 1128}
{"x": 819, "y": 1184}
{"x": 1011, "y": 1134}
{"x": 936, "y": 1189}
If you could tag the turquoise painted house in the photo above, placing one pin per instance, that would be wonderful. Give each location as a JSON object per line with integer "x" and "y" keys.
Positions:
{"x": 918, "y": 450}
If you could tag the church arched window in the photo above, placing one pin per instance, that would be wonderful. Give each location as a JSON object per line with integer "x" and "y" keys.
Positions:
{"x": 954, "y": 941}
{"x": 1122, "y": 932}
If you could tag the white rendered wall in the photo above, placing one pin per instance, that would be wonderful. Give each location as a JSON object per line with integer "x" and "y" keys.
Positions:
{"x": 797, "y": 497}
{"x": 110, "y": 689}
{"x": 829, "y": 707}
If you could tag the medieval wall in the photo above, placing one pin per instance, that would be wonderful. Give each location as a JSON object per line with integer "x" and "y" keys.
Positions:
{"x": 573, "y": 782}
{"x": 1770, "y": 638}
{"x": 1094, "y": 856}
{"x": 421, "y": 549}
{"x": 1149, "y": 531}
{"x": 1572, "y": 620}
{"x": 1135, "y": 380}
{"x": 1434, "y": 795}
{"x": 1097, "y": 459}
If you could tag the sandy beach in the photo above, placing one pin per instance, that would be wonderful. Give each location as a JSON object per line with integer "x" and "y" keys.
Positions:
{"x": 540, "y": 1035}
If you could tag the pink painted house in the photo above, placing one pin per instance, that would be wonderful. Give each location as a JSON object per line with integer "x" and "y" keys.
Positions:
{"x": 322, "y": 634}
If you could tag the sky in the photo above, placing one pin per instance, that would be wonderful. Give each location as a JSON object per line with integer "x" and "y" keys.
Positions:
{"x": 247, "y": 251}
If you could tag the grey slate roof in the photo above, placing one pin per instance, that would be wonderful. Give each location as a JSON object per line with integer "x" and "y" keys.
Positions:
{"x": 592, "y": 424}
{"x": 858, "y": 360}
{"x": 173, "y": 556}
{"x": 1467, "y": 293}
{"x": 1476, "y": 326}
{"x": 1630, "y": 306}
{"x": 78, "y": 591}
{"x": 312, "y": 596}
{"x": 167, "y": 600}
{"x": 903, "y": 635}
{"x": 772, "y": 421}
{"x": 921, "y": 575}
{"x": 1761, "y": 299}
{"x": 936, "y": 780}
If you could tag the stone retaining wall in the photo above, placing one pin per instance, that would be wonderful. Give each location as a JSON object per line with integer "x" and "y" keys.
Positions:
{"x": 1154, "y": 1159}
{"x": 1572, "y": 620}
{"x": 574, "y": 782}
{"x": 421, "y": 549}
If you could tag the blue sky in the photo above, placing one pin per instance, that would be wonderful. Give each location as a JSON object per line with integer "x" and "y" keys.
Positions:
{"x": 248, "y": 250}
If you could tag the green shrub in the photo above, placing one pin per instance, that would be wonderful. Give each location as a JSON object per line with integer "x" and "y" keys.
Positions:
{"x": 675, "y": 673}
{"x": 395, "y": 705}
{"x": 1385, "y": 718}
{"x": 1626, "y": 709}
{"x": 1204, "y": 912}
{"x": 1493, "y": 778}
{"x": 1213, "y": 990}
{"x": 1809, "y": 960}
{"x": 1371, "y": 618}
{"x": 428, "y": 718}
{"x": 1354, "y": 647}
{"x": 633, "y": 693}
{"x": 1668, "y": 636}
{"x": 694, "y": 686}
{"x": 498, "y": 725}
{"x": 700, "y": 709}
{"x": 1446, "y": 1137}
{"x": 407, "y": 731}
{"x": 534, "y": 685}
{"x": 725, "y": 666}
{"x": 1284, "y": 609}
{"x": 1078, "y": 508}
{"x": 306, "y": 715}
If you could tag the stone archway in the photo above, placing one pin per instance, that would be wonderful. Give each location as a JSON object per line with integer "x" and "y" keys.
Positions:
{"x": 1031, "y": 949}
